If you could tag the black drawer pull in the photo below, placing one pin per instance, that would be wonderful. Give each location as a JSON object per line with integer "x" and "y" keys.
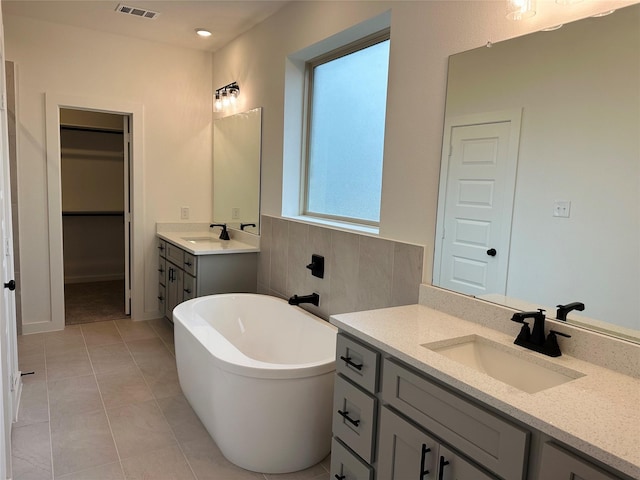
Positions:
{"x": 160, "y": 247}
{"x": 423, "y": 457}
{"x": 339, "y": 477}
{"x": 443, "y": 463}
{"x": 187, "y": 290}
{"x": 348, "y": 361}
{"x": 161, "y": 270}
{"x": 161, "y": 298}
{"x": 187, "y": 263}
{"x": 346, "y": 416}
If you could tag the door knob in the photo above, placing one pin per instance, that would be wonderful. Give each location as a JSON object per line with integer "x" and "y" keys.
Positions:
{"x": 492, "y": 252}
{"x": 11, "y": 285}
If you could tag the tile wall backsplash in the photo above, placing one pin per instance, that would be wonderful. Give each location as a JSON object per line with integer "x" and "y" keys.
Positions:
{"x": 361, "y": 272}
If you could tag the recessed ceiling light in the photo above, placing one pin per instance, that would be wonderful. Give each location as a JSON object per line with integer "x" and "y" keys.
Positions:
{"x": 203, "y": 32}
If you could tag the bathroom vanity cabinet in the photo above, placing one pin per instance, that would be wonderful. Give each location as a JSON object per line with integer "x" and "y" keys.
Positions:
{"x": 183, "y": 275}
{"x": 391, "y": 421}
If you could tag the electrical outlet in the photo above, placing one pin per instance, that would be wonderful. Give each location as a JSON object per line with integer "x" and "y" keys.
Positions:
{"x": 235, "y": 214}
{"x": 184, "y": 213}
{"x": 561, "y": 208}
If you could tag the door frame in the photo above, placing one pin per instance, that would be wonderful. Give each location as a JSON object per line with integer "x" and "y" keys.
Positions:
{"x": 53, "y": 103}
{"x": 514, "y": 116}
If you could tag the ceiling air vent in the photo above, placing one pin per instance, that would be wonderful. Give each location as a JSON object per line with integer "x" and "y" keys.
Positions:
{"x": 136, "y": 12}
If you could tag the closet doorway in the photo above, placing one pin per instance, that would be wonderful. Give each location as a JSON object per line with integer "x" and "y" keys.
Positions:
{"x": 95, "y": 173}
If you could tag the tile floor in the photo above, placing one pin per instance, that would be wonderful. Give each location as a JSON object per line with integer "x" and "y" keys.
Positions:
{"x": 105, "y": 403}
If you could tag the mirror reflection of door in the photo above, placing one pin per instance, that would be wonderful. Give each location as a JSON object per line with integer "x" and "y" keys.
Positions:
{"x": 478, "y": 200}
{"x": 95, "y": 189}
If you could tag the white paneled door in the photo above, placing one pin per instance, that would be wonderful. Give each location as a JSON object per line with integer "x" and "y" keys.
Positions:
{"x": 10, "y": 383}
{"x": 478, "y": 202}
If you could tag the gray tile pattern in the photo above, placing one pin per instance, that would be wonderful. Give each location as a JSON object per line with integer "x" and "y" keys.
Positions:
{"x": 105, "y": 404}
{"x": 362, "y": 272}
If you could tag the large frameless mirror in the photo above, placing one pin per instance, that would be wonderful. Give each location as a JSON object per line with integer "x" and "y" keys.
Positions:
{"x": 539, "y": 201}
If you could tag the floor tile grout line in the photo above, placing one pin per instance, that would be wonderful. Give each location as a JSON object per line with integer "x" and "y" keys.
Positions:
{"x": 155, "y": 399}
{"x": 104, "y": 406}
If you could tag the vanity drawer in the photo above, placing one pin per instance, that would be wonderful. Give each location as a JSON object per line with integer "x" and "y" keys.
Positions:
{"x": 174, "y": 254}
{"x": 562, "y": 465}
{"x": 162, "y": 299}
{"x": 188, "y": 287}
{"x": 162, "y": 248}
{"x": 162, "y": 271}
{"x": 357, "y": 362}
{"x": 491, "y": 441}
{"x": 189, "y": 263}
{"x": 347, "y": 466}
{"x": 354, "y": 417}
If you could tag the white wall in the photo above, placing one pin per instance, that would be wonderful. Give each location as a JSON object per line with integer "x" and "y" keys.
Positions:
{"x": 423, "y": 35}
{"x": 173, "y": 85}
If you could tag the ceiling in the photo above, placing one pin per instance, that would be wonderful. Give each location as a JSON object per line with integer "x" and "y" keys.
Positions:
{"x": 175, "y": 25}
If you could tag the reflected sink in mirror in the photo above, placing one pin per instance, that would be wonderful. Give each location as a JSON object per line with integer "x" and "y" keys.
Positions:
{"x": 504, "y": 363}
{"x": 200, "y": 239}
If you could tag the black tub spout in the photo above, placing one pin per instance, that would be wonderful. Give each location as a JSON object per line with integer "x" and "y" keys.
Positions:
{"x": 314, "y": 299}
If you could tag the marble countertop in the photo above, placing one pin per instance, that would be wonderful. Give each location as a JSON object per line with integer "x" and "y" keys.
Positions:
{"x": 598, "y": 413}
{"x": 198, "y": 246}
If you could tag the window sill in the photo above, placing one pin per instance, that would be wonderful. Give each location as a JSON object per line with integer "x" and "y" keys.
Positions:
{"x": 348, "y": 227}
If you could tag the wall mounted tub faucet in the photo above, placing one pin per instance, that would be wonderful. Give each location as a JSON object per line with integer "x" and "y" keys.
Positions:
{"x": 314, "y": 299}
{"x": 535, "y": 340}
{"x": 224, "y": 235}
{"x": 563, "y": 310}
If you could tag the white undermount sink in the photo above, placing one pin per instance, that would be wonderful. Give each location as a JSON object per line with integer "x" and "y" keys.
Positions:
{"x": 517, "y": 368}
{"x": 200, "y": 239}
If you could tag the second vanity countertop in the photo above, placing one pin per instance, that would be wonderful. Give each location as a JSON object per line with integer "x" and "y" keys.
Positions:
{"x": 198, "y": 246}
{"x": 597, "y": 414}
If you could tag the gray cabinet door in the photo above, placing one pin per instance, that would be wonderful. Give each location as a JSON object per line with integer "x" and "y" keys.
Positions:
{"x": 558, "y": 464}
{"x": 174, "y": 288}
{"x": 405, "y": 452}
{"x": 454, "y": 467}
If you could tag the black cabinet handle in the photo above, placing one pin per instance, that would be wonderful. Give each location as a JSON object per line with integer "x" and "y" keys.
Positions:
{"x": 160, "y": 247}
{"x": 161, "y": 298}
{"x": 443, "y": 463}
{"x": 339, "y": 477}
{"x": 346, "y": 416}
{"x": 187, "y": 290}
{"x": 423, "y": 457}
{"x": 348, "y": 361}
{"x": 11, "y": 285}
{"x": 161, "y": 270}
{"x": 187, "y": 263}
{"x": 492, "y": 252}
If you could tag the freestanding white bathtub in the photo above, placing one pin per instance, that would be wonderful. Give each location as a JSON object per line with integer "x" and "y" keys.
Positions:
{"x": 259, "y": 374}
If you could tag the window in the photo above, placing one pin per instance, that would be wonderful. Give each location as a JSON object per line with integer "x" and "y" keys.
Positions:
{"x": 345, "y": 132}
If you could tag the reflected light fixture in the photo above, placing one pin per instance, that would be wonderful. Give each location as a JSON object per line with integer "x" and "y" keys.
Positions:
{"x": 520, "y": 9}
{"x": 203, "y": 32}
{"x": 226, "y": 96}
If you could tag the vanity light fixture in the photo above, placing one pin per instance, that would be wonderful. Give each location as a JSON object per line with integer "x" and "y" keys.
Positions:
{"x": 226, "y": 96}
{"x": 520, "y": 9}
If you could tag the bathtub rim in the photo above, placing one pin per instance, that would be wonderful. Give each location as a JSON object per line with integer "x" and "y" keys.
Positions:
{"x": 231, "y": 359}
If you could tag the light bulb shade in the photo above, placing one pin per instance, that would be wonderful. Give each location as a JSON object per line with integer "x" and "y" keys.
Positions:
{"x": 217, "y": 104}
{"x": 233, "y": 95}
{"x": 520, "y": 9}
{"x": 225, "y": 99}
